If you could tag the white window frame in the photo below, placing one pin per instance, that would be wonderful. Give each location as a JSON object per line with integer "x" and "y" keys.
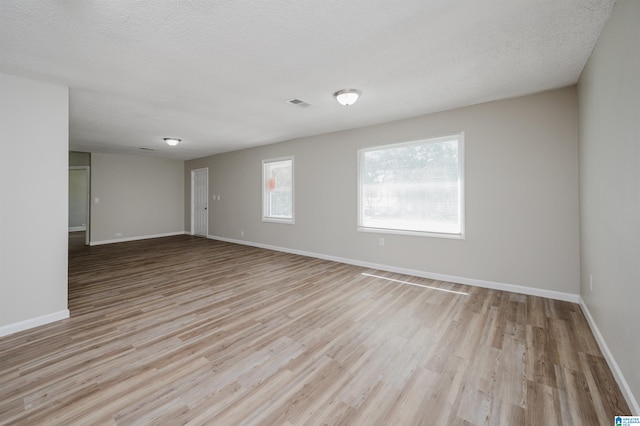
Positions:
{"x": 265, "y": 206}
{"x": 361, "y": 153}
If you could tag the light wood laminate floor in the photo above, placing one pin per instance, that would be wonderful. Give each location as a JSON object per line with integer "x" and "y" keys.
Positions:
{"x": 185, "y": 330}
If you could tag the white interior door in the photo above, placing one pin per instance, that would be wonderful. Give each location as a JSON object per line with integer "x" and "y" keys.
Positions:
{"x": 199, "y": 202}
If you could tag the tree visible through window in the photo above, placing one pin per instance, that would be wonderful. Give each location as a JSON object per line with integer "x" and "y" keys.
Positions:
{"x": 277, "y": 198}
{"x": 414, "y": 187}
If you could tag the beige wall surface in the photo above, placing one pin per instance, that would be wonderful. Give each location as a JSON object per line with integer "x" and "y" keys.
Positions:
{"x": 609, "y": 111}
{"x": 135, "y": 196}
{"x": 521, "y": 173}
{"x": 33, "y": 206}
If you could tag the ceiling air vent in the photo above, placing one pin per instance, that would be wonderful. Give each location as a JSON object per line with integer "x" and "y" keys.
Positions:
{"x": 298, "y": 102}
{"x": 147, "y": 149}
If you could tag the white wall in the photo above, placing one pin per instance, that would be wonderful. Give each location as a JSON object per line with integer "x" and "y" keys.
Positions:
{"x": 33, "y": 206}
{"x": 521, "y": 173}
{"x": 138, "y": 197}
{"x": 609, "y": 105}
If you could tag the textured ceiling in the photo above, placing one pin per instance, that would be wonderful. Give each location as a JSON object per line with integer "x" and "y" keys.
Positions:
{"x": 218, "y": 73}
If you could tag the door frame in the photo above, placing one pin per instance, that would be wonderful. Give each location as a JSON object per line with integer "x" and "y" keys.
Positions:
{"x": 88, "y": 218}
{"x": 193, "y": 184}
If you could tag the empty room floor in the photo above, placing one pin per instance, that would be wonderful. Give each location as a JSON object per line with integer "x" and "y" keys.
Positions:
{"x": 186, "y": 330}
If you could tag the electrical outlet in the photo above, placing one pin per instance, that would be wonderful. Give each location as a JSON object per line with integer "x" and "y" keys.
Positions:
{"x": 591, "y": 282}
{"x": 381, "y": 241}
{"x": 118, "y": 234}
{"x": 242, "y": 233}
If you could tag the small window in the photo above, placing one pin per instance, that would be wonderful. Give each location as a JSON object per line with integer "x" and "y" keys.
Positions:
{"x": 277, "y": 190}
{"x": 413, "y": 188}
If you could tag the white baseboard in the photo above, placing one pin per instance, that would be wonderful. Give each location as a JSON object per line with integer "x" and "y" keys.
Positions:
{"x": 613, "y": 365}
{"x": 77, "y": 228}
{"x": 33, "y": 322}
{"x": 550, "y": 294}
{"x": 141, "y": 237}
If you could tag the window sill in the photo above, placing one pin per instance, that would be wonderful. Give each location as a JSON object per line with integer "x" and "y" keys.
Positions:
{"x": 276, "y": 220}
{"x": 460, "y": 236}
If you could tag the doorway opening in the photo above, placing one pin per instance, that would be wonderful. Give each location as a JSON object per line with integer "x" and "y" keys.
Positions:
{"x": 79, "y": 188}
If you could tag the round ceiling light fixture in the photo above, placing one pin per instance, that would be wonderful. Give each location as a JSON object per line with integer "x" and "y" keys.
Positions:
{"x": 172, "y": 141}
{"x": 347, "y": 97}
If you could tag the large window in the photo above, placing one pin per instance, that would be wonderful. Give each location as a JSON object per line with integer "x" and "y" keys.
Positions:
{"x": 413, "y": 187}
{"x": 277, "y": 190}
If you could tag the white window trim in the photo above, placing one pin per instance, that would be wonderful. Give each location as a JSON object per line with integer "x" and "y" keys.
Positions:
{"x": 461, "y": 155}
{"x": 285, "y": 221}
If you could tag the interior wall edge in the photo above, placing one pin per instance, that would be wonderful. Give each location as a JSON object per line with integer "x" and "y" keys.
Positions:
{"x": 611, "y": 361}
{"x": 137, "y": 238}
{"x": 514, "y": 288}
{"x": 27, "y": 324}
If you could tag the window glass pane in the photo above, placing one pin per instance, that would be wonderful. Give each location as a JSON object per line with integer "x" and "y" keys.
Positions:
{"x": 413, "y": 186}
{"x": 278, "y": 189}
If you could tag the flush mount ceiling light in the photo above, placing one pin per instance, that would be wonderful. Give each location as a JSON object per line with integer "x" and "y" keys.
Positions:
{"x": 172, "y": 141}
{"x": 347, "y": 97}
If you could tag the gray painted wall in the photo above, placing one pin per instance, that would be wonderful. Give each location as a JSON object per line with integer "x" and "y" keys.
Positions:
{"x": 609, "y": 106}
{"x": 138, "y": 197}
{"x": 33, "y": 206}
{"x": 521, "y": 172}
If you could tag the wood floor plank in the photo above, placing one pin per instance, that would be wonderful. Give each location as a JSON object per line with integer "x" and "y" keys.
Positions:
{"x": 185, "y": 330}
